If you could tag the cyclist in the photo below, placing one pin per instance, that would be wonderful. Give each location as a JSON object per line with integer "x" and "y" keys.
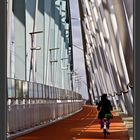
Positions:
{"x": 104, "y": 107}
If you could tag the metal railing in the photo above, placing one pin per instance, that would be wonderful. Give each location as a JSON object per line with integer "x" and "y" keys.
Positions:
{"x": 33, "y": 104}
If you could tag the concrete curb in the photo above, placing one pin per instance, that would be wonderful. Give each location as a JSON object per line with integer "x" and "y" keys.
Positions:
{"x": 128, "y": 121}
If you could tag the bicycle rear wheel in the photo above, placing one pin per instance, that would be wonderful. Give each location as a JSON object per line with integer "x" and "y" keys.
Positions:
{"x": 105, "y": 133}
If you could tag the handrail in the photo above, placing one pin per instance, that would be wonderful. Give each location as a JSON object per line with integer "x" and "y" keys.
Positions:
{"x": 33, "y": 104}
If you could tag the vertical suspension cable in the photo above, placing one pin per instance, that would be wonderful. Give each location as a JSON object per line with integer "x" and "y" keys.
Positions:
{"x": 33, "y": 45}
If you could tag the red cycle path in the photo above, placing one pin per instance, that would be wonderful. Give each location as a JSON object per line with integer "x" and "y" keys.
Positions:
{"x": 82, "y": 126}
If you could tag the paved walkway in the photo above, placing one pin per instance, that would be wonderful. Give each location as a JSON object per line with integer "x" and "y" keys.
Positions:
{"x": 82, "y": 126}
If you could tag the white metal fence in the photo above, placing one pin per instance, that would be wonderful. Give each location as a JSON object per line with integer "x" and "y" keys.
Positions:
{"x": 33, "y": 104}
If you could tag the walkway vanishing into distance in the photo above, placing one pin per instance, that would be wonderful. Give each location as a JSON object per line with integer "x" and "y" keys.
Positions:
{"x": 82, "y": 126}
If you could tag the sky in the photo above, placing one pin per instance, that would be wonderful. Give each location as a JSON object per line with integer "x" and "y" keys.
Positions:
{"x": 78, "y": 56}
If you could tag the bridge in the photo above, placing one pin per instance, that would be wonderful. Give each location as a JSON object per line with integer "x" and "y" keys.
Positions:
{"x": 39, "y": 86}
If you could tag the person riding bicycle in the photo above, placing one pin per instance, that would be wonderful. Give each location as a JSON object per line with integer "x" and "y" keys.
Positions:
{"x": 104, "y": 107}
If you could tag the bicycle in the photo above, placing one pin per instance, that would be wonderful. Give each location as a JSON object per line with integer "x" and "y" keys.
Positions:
{"x": 105, "y": 124}
{"x": 105, "y": 127}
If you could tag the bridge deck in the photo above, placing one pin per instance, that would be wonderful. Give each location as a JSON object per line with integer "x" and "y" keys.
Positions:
{"x": 82, "y": 126}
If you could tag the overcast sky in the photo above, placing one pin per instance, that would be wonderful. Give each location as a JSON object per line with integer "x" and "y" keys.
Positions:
{"x": 79, "y": 66}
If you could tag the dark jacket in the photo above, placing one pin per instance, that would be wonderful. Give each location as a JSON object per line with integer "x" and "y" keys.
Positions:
{"x": 104, "y": 107}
